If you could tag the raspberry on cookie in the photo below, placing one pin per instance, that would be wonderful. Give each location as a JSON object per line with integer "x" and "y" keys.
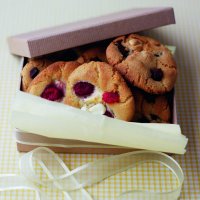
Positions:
{"x": 98, "y": 88}
{"x": 33, "y": 67}
{"x": 93, "y": 54}
{"x": 151, "y": 108}
{"x": 50, "y": 84}
{"x": 144, "y": 62}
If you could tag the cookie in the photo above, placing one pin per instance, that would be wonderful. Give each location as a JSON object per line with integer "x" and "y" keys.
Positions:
{"x": 93, "y": 54}
{"x": 64, "y": 55}
{"x": 50, "y": 84}
{"x": 98, "y": 88}
{"x": 151, "y": 108}
{"x": 144, "y": 62}
{"x": 31, "y": 70}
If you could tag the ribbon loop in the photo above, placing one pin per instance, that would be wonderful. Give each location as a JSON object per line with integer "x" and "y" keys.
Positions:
{"x": 57, "y": 175}
{"x": 54, "y": 171}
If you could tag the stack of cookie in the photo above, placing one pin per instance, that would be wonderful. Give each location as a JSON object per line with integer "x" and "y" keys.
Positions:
{"x": 128, "y": 79}
{"x": 149, "y": 68}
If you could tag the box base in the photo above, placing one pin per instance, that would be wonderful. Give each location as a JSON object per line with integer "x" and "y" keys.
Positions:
{"x": 76, "y": 150}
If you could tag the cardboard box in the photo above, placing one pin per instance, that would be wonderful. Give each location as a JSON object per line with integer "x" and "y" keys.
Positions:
{"x": 54, "y": 39}
{"x": 28, "y": 141}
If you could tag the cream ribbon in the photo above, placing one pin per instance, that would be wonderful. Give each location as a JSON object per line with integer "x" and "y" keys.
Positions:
{"x": 57, "y": 175}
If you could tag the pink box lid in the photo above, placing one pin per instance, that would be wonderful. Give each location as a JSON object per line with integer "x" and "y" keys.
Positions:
{"x": 70, "y": 35}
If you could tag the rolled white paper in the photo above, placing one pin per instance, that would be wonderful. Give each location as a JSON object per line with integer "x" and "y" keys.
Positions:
{"x": 51, "y": 119}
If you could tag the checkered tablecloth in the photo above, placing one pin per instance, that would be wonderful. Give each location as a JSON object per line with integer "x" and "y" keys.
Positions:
{"x": 22, "y": 16}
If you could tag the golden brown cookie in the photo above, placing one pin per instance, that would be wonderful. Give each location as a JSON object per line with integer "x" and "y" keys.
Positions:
{"x": 51, "y": 82}
{"x": 144, "y": 62}
{"x": 33, "y": 67}
{"x": 151, "y": 108}
{"x": 93, "y": 54}
{"x": 98, "y": 88}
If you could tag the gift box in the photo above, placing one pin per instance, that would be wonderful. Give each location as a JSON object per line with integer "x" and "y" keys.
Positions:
{"x": 68, "y": 36}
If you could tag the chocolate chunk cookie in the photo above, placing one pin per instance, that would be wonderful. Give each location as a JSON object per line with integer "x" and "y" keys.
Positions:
{"x": 151, "y": 108}
{"x": 93, "y": 54}
{"x": 98, "y": 88}
{"x": 144, "y": 62}
{"x": 32, "y": 69}
{"x": 50, "y": 84}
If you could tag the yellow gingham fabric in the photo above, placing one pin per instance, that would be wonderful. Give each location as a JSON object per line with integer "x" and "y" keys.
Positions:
{"x": 22, "y": 16}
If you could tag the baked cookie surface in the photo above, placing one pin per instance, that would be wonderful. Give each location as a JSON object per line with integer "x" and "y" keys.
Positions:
{"x": 98, "y": 88}
{"x": 144, "y": 62}
{"x": 51, "y": 82}
{"x": 151, "y": 108}
{"x": 32, "y": 69}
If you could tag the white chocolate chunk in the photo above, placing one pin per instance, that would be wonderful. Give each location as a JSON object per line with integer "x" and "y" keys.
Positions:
{"x": 84, "y": 108}
{"x": 132, "y": 42}
{"x": 96, "y": 97}
{"x": 171, "y": 48}
{"x": 97, "y": 109}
